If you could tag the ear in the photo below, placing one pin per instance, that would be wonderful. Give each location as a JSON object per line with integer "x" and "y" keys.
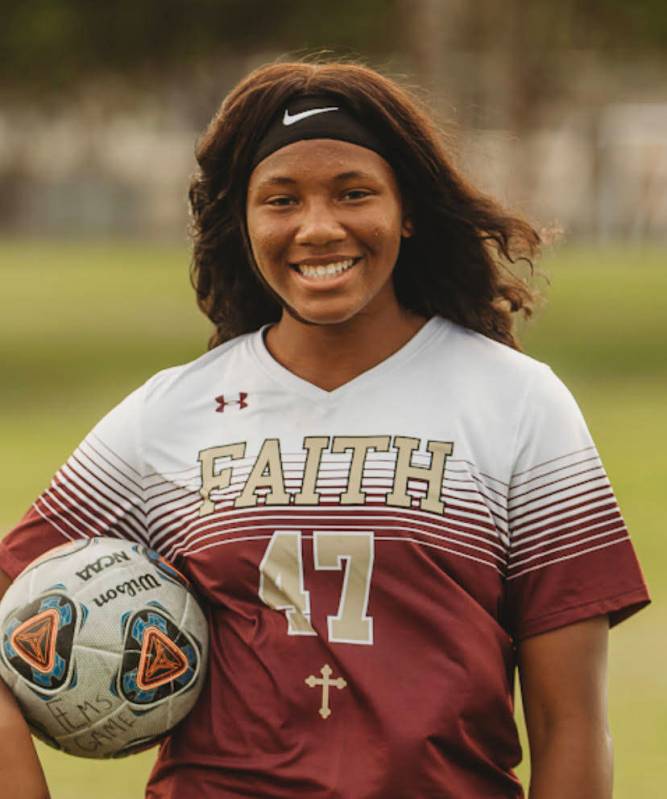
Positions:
{"x": 407, "y": 227}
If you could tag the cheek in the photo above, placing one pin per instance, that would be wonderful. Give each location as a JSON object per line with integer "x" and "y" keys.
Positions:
{"x": 386, "y": 227}
{"x": 266, "y": 243}
{"x": 386, "y": 237}
{"x": 382, "y": 233}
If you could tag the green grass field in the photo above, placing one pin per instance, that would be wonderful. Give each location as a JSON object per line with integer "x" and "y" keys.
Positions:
{"x": 82, "y": 324}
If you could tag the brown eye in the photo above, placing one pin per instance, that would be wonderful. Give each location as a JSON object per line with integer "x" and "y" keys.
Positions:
{"x": 356, "y": 194}
{"x": 280, "y": 202}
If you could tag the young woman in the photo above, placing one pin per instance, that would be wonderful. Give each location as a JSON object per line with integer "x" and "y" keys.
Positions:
{"x": 386, "y": 506}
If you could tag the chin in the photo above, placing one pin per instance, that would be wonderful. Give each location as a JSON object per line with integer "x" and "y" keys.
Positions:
{"x": 331, "y": 315}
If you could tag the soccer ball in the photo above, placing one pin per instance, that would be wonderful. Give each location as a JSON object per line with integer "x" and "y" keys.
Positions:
{"x": 103, "y": 645}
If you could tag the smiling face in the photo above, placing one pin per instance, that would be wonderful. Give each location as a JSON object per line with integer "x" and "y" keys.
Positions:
{"x": 325, "y": 221}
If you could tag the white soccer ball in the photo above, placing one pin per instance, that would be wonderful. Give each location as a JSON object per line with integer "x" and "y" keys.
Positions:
{"x": 104, "y": 646}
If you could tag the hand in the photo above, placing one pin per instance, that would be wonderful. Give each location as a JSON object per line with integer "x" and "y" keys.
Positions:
{"x": 21, "y": 775}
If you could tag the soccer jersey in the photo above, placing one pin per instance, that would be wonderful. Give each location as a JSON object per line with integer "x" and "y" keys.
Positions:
{"x": 369, "y": 558}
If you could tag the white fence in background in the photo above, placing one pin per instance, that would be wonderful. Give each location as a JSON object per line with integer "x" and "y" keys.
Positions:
{"x": 602, "y": 176}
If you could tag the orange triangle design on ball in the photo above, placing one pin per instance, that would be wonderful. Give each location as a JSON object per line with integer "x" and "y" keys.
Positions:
{"x": 35, "y": 640}
{"x": 161, "y": 660}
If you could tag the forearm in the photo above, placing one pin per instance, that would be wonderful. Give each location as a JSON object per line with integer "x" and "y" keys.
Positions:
{"x": 574, "y": 761}
{"x": 21, "y": 775}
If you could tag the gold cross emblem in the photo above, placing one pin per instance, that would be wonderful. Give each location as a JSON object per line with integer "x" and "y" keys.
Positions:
{"x": 312, "y": 681}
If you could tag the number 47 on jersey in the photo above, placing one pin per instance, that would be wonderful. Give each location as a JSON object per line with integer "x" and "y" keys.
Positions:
{"x": 281, "y": 584}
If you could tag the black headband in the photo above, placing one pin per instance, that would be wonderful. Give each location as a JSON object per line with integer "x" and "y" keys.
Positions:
{"x": 315, "y": 117}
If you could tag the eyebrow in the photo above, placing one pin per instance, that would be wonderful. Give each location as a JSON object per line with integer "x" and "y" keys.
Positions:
{"x": 354, "y": 174}
{"x": 276, "y": 180}
{"x": 281, "y": 180}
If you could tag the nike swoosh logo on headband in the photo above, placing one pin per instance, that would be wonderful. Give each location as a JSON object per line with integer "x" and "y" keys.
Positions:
{"x": 290, "y": 119}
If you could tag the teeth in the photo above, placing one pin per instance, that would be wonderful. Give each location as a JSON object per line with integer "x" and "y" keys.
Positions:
{"x": 322, "y": 271}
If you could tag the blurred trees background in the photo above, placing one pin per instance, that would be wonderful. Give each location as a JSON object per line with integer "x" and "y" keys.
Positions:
{"x": 559, "y": 106}
{"x": 51, "y": 45}
{"x": 56, "y": 45}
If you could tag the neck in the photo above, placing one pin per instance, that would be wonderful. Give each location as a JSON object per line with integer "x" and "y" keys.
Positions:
{"x": 330, "y": 355}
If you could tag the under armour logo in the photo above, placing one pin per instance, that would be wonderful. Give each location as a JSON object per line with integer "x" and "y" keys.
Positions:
{"x": 222, "y": 402}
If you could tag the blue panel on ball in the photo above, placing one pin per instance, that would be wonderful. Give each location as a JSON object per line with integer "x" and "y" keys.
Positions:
{"x": 38, "y": 638}
{"x": 124, "y": 619}
{"x": 132, "y": 691}
{"x": 159, "y": 660}
{"x": 155, "y": 604}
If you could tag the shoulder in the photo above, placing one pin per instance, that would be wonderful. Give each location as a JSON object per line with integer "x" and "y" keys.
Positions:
{"x": 202, "y": 371}
{"x": 489, "y": 366}
{"x": 174, "y": 393}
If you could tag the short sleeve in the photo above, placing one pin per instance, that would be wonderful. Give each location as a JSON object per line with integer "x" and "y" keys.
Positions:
{"x": 570, "y": 553}
{"x": 98, "y": 491}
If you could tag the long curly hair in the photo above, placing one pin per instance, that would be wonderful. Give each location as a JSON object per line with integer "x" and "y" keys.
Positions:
{"x": 458, "y": 263}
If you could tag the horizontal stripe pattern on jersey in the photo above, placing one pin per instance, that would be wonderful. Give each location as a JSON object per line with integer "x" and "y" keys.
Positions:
{"x": 370, "y": 558}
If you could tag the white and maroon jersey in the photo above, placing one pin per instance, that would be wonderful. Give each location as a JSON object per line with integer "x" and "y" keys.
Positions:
{"x": 369, "y": 556}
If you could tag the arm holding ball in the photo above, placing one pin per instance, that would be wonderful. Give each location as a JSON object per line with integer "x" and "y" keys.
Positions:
{"x": 21, "y": 775}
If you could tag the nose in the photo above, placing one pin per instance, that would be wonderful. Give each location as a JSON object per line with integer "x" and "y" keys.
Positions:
{"x": 318, "y": 225}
